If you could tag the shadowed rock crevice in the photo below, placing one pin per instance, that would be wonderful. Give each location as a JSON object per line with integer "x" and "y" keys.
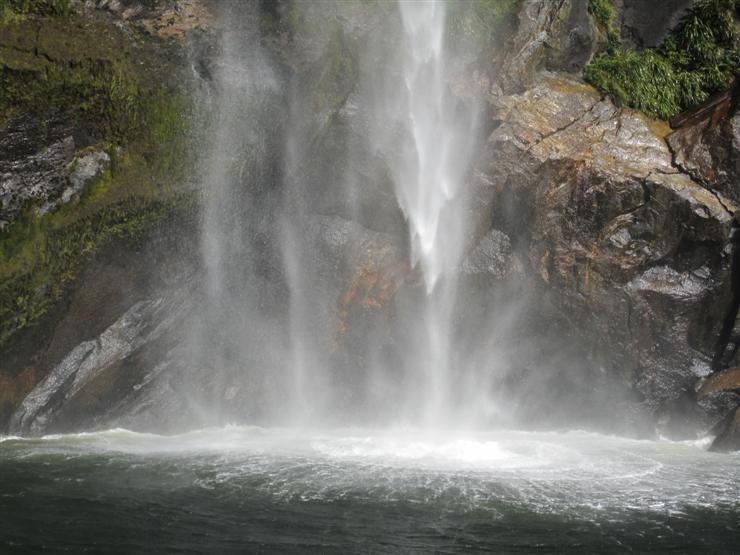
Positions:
{"x": 723, "y": 356}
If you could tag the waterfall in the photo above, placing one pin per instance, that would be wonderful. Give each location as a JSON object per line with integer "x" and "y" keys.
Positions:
{"x": 429, "y": 176}
{"x": 428, "y": 179}
{"x": 237, "y": 340}
{"x": 294, "y": 180}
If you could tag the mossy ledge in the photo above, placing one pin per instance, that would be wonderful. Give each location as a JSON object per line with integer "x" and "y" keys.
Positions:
{"x": 59, "y": 64}
{"x": 699, "y": 57}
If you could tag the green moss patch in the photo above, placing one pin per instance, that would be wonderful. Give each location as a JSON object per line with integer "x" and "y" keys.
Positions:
{"x": 41, "y": 257}
{"x": 699, "y": 57}
{"x": 88, "y": 72}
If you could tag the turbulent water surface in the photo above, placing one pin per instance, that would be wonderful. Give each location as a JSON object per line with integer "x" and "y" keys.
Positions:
{"x": 251, "y": 489}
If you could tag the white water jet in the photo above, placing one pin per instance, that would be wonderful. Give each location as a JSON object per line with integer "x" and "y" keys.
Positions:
{"x": 429, "y": 175}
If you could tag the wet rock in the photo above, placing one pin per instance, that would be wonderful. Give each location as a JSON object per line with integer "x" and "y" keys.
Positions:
{"x": 663, "y": 280}
{"x": 123, "y": 274}
{"x": 359, "y": 268}
{"x": 41, "y": 166}
{"x": 141, "y": 324}
{"x": 165, "y": 18}
{"x": 491, "y": 256}
{"x": 33, "y": 163}
{"x": 575, "y": 42}
{"x": 706, "y": 144}
{"x": 538, "y": 22}
{"x": 726, "y": 380}
{"x": 629, "y": 248}
{"x": 84, "y": 169}
{"x": 728, "y": 438}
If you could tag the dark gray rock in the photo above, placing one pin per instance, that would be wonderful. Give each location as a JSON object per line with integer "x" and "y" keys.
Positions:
{"x": 630, "y": 249}
{"x": 142, "y": 323}
{"x": 644, "y": 24}
{"x": 575, "y": 42}
{"x": 491, "y": 256}
{"x": 728, "y": 438}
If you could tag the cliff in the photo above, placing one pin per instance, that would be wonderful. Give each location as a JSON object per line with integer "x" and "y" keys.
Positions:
{"x": 609, "y": 228}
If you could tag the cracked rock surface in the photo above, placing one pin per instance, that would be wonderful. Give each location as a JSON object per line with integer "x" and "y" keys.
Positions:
{"x": 629, "y": 247}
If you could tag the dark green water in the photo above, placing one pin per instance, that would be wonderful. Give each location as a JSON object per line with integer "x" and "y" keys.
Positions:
{"x": 245, "y": 490}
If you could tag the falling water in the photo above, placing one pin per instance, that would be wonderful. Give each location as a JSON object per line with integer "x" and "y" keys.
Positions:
{"x": 324, "y": 300}
{"x": 283, "y": 356}
{"x": 429, "y": 177}
{"x": 236, "y": 338}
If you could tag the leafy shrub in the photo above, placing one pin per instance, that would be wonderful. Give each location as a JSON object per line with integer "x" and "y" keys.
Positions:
{"x": 700, "y": 56}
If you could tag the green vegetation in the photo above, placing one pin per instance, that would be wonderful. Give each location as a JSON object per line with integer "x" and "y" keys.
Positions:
{"x": 603, "y": 13}
{"x": 699, "y": 57}
{"x": 98, "y": 93}
{"x": 85, "y": 72}
{"x": 14, "y": 10}
{"x": 40, "y": 257}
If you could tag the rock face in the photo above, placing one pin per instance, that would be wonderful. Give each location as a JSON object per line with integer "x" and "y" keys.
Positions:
{"x": 645, "y": 24}
{"x": 491, "y": 256}
{"x": 538, "y": 23}
{"x": 706, "y": 144}
{"x": 629, "y": 246}
{"x": 44, "y": 169}
{"x": 142, "y": 323}
{"x": 729, "y": 436}
{"x": 28, "y": 172}
{"x": 89, "y": 348}
{"x": 574, "y": 41}
{"x": 165, "y": 19}
{"x": 599, "y": 245}
{"x": 81, "y": 178}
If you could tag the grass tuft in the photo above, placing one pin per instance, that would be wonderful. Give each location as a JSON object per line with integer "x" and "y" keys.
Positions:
{"x": 699, "y": 57}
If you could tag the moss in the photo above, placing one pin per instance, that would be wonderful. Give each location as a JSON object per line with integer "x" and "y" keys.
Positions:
{"x": 94, "y": 92}
{"x": 603, "y": 13}
{"x": 40, "y": 257}
{"x": 48, "y": 64}
{"x": 700, "y": 56}
{"x": 13, "y": 11}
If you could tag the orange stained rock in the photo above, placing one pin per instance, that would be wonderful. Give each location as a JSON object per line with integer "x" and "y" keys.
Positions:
{"x": 726, "y": 380}
{"x": 372, "y": 287}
